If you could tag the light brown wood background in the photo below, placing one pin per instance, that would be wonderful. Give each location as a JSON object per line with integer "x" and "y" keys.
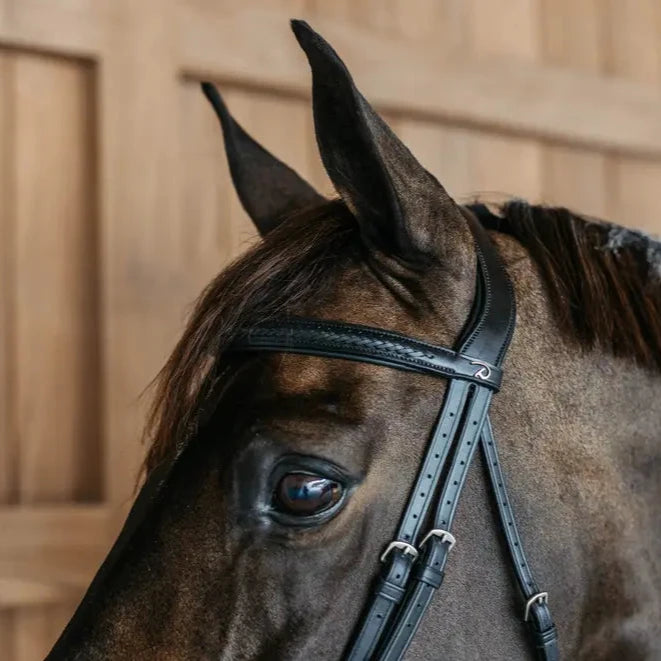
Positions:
{"x": 115, "y": 204}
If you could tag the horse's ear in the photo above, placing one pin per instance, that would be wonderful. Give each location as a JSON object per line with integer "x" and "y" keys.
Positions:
{"x": 401, "y": 208}
{"x": 268, "y": 189}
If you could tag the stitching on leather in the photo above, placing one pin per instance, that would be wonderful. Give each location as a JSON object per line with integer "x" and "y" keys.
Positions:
{"x": 385, "y": 347}
{"x": 340, "y": 329}
{"x": 401, "y": 353}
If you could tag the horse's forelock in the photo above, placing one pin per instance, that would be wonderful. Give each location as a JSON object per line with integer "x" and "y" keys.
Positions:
{"x": 277, "y": 276}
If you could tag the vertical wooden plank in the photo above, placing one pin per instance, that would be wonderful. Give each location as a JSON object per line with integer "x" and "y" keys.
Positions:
{"x": 339, "y": 10}
{"x": 55, "y": 379}
{"x": 502, "y": 166}
{"x": 577, "y": 179}
{"x": 8, "y": 440}
{"x": 441, "y": 25}
{"x": 56, "y": 296}
{"x": 140, "y": 225}
{"x": 633, "y": 34}
{"x": 634, "y": 30}
{"x": 573, "y": 36}
{"x": 505, "y": 30}
{"x": 505, "y": 166}
{"x": 7, "y": 634}
{"x": 634, "y": 195}
{"x": 37, "y": 630}
{"x": 444, "y": 151}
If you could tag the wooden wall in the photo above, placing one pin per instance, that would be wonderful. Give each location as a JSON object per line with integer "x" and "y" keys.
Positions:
{"x": 115, "y": 205}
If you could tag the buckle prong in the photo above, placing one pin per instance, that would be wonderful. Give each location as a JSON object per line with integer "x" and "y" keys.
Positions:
{"x": 445, "y": 536}
{"x": 540, "y": 598}
{"x": 402, "y": 546}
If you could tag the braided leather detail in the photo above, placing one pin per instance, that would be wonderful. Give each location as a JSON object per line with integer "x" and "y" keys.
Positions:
{"x": 365, "y": 344}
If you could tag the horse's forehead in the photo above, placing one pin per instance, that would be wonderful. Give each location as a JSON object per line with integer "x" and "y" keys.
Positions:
{"x": 334, "y": 383}
{"x": 364, "y": 294}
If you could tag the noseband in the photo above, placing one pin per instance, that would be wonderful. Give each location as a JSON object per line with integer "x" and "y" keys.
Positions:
{"x": 413, "y": 564}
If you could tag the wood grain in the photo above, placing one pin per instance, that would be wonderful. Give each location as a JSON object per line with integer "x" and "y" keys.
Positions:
{"x": 8, "y": 441}
{"x": 116, "y": 205}
{"x": 574, "y": 36}
{"x": 515, "y": 96}
{"x": 56, "y": 383}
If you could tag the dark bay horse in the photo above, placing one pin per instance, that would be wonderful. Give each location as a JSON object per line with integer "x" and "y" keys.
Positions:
{"x": 274, "y": 481}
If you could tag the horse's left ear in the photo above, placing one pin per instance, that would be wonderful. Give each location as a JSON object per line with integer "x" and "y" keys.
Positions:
{"x": 402, "y": 210}
{"x": 268, "y": 189}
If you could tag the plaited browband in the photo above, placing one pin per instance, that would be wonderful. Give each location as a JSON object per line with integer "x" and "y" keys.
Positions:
{"x": 413, "y": 563}
{"x": 368, "y": 345}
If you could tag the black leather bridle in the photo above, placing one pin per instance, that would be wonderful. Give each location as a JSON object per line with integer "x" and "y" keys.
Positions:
{"x": 413, "y": 564}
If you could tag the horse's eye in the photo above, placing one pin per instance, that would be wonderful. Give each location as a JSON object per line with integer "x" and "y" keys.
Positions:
{"x": 302, "y": 494}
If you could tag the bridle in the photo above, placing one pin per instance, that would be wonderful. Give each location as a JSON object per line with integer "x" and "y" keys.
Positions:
{"x": 413, "y": 564}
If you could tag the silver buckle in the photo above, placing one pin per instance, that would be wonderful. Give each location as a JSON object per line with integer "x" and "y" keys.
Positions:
{"x": 403, "y": 546}
{"x": 443, "y": 534}
{"x": 540, "y": 598}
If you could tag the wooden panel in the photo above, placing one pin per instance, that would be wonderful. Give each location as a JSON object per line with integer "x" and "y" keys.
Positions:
{"x": 7, "y": 633}
{"x": 50, "y": 357}
{"x": 576, "y": 178}
{"x": 253, "y": 44}
{"x": 256, "y": 47}
{"x": 633, "y": 33}
{"x": 48, "y": 554}
{"x": 141, "y": 265}
{"x": 634, "y": 53}
{"x": 573, "y": 37}
{"x": 72, "y": 27}
{"x": 8, "y": 445}
{"x": 634, "y": 197}
{"x": 573, "y": 34}
{"x": 47, "y": 558}
{"x": 56, "y": 323}
{"x": 444, "y": 151}
{"x": 517, "y": 34}
{"x": 504, "y": 166}
{"x": 470, "y": 165}
{"x": 526, "y": 97}
{"x": 8, "y": 440}
{"x": 37, "y": 630}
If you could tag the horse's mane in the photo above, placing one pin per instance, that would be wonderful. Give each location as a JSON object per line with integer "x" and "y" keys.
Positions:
{"x": 604, "y": 283}
{"x": 604, "y": 280}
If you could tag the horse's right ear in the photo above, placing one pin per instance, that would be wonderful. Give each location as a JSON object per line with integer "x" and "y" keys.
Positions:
{"x": 268, "y": 189}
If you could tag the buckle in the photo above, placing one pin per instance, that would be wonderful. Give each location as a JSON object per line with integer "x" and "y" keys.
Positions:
{"x": 402, "y": 546}
{"x": 540, "y": 598}
{"x": 443, "y": 534}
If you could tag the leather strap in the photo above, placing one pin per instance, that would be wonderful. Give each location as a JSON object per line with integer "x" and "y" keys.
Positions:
{"x": 368, "y": 345}
{"x": 488, "y": 335}
{"x": 389, "y": 590}
{"x": 413, "y": 568}
{"x": 428, "y": 574}
{"x": 539, "y": 619}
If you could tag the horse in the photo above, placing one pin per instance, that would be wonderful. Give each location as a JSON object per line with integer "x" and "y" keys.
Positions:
{"x": 276, "y": 479}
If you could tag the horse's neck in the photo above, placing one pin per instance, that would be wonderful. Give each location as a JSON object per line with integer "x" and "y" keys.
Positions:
{"x": 579, "y": 431}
